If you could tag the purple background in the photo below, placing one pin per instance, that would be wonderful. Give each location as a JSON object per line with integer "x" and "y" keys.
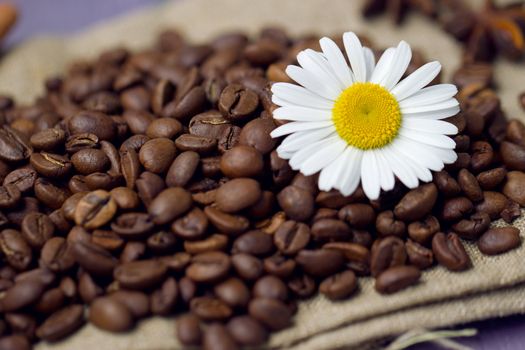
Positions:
{"x": 66, "y": 16}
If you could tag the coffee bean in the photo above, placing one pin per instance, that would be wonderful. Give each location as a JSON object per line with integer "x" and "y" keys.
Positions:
{"x": 419, "y": 255}
{"x": 50, "y": 165}
{"x": 214, "y": 242}
{"x": 125, "y": 198}
{"x": 256, "y": 134}
{"x": 229, "y": 138}
{"x": 94, "y": 259}
{"x": 137, "y": 121}
{"x": 14, "y": 146}
{"x": 187, "y": 106}
{"x": 149, "y": 185}
{"x": 201, "y": 145}
{"x": 449, "y": 252}
{"x": 339, "y": 286}
{"x": 208, "y": 124}
{"x": 10, "y": 196}
{"x": 36, "y": 229}
{"x": 57, "y": 255}
{"x": 247, "y": 331}
{"x": 87, "y": 161}
{"x": 233, "y": 292}
{"x": 81, "y": 141}
{"x": 514, "y": 188}
{"x": 15, "y": 342}
{"x": 140, "y": 274}
{"x": 297, "y": 203}
{"x": 62, "y": 323}
{"x": 229, "y": 224}
{"x": 22, "y": 294}
{"x": 15, "y": 249}
{"x": 156, "y": 155}
{"x": 170, "y": 204}
{"x": 254, "y": 242}
{"x": 49, "y": 194}
{"x": 397, "y": 278}
{"x": 423, "y": 231}
{"x": 188, "y": 330}
{"x": 472, "y": 228}
{"x": 210, "y": 309}
{"x": 272, "y": 313}
{"x": 469, "y": 185}
{"x": 358, "y": 256}
{"x": 417, "y": 203}
{"x": 164, "y": 298}
{"x": 330, "y": 230}
{"x": 270, "y": 287}
{"x": 92, "y": 122}
{"x": 209, "y": 267}
{"x": 357, "y": 215}
{"x": 387, "y": 225}
{"x": 513, "y": 155}
{"x": 446, "y": 184}
{"x": 499, "y": 240}
{"x": 279, "y": 266}
{"x": 182, "y": 169}
{"x": 193, "y": 225}
{"x": 455, "y": 208}
{"x": 490, "y": 179}
{"x": 95, "y": 209}
{"x": 51, "y": 301}
{"x": 247, "y": 266}
{"x": 108, "y": 314}
{"x": 241, "y": 161}
{"x": 493, "y": 204}
{"x": 291, "y": 237}
{"x": 130, "y": 166}
{"x": 386, "y": 252}
{"x": 302, "y": 286}
{"x": 236, "y": 102}
{"x": 282, "y": 173}
{"x": 132, "y": 225}
{"x": 320, "y": 262}
{"x": 217, "y": 337}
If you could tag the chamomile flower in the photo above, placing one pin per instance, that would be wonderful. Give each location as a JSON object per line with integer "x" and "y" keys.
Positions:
{"x": 356, "y": 122}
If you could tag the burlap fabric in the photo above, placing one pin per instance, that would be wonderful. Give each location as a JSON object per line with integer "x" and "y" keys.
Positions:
{"x": 495, "y": 286}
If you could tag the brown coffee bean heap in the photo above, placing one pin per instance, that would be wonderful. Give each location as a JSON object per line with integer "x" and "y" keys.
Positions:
{"x": 148, "y": 184}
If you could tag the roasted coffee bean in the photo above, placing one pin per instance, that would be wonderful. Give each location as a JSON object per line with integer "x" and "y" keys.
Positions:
{"x": 514, "y": 188}
{"x": 387, "y": 225}
{"x": 456, "y": 208}
{"x": 423, "y": 231}
{"x": 57, "y": 255}
{"x": 513, "y": 155}
{"x": 297, "y": 203}
{"x": 21, "y": 323}
{"x": 210, "y": 309}
{"x": 137, "y": 121}
{"x": 88, "y": 290}
{"x": 358, "y": 256}
{"x": 156, "y": 155}
{"x": 109, "y": 240}
{"x": 188, "y": 330}
{"x": 339, "y": 286}
{"x": 22, "y": 294}
{"x": 446, "y": 184}
{"x": 499, "y": 240}
{"x": 226, "y": 223}
{"x": 237, "y": 194}
{"x": 87, "y": 161}
{"x": 15, "y": 342}
{"x": 490, "y": 179}
{"x": 320, "y": 262}
{"x": 81, "y": 141}
{"x": 254, "y": 242}
{"x": 108, "y": 314}
{"x": 95, "y": 209}
{"x": 27, "y": 205}
{"x": 15, "y": 249}
{"x": 199, "y": 144}
{"x": 469, "y": 185}
{"x": 233, "y": 292}
{"x": 125, "y": 198}
{"x": 209, "y": 267}
{"x": 357, "y": 215}
{"x": 211, "y": 243}
{"x": 23, "y": 178}
{"x": 10, "y": 196}
{"x": 247, "y": 331}
{"x": 419, "y": 255}
{"x": 149, "y": 185}
{"x": 170, "y": 204}
{"x": 272, "y": 313}
{"x": 247, "y": 266}
{"x": 217, "y": 337}
{"x": 164, "y": 298}
{"x": 417, "y": 203}
{"x": 449, "y": 252}
{"x": 49, "y": 194}
{"x": 331, "y": 230}
{"x": 14, "y": 146}
{"x": 302, "y": 286}
{"x": 208, "y": 124}
{"x": 241, "y": 161}
{"x": 279, "y": 266}
{"x": 182, "y": 169}
{"x": 140, "y": 274}
{"x": 256, "y": 134}
{"x": 229, "y": 138}
{"x": 264, "y": 207}
{"x": 92, "y": 122}
{"x": 386, "y": 252}
{"x": 191, "y": 226}
{"x": 493, "y": 204}
{"x": 132, "y": 224}
{"x": 472, "y": 228}
{"x": 282, "y": 173}
{"x": 50, "y": 165}
{"x": 94, "y": 259}
{"x": 62, "y": 323}
{"x": 397, "y": 278}
{"x": 270, "y": 287}
{"x": 164, "y": 127}
{"x": 291, "y": 237}
{"x": 236, "y": 102}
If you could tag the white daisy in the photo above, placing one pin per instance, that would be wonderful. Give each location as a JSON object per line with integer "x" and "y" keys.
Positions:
{"x": 358, "y": 123}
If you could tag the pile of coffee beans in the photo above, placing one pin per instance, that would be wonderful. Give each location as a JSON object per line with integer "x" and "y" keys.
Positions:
{"x": 148, "y": 184}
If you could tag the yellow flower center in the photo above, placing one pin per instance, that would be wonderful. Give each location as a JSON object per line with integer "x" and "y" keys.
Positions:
{"x": 366, "y": 116}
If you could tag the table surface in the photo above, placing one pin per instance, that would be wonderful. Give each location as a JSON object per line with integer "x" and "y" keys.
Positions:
{"x": 61, "y": 17}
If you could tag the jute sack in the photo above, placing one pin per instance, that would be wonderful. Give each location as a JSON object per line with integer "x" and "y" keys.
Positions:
{"x": 495, "y": 286}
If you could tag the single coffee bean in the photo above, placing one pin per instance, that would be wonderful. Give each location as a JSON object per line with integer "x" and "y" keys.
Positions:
{"x": 339, "y": 286}
{"x": 291, "y": 237}
{"x": 130, "y": 166}
{"x": 191, "y": 226}
{"x": 272, "y": 313}
{"x": 387, "y": 225}
{"x": 182, "y": 169}
{"x": 62, "y": 323}
{"x": 156, "y": 155}
{"x": 49, "y": 194}
{"x": 50, "y": 165}
{"x": 270, "y": 287}
{"x": 515, "y": 132}
{"x": 10, "y": 196}
{"x": 254, "y": 242}
{"x": 210, "y": 309}
{"x": 331, "y": 230}
{"x": 419, "y": 255}
{"x": 125, "y": 198}
{"x": 108, "y": 314}
{"x": 446, "y": 184}
{"x": 51, "y": 301}
{"x": 397, "y": 278}
{"x": 14, "y": 146}
{"x": 188, "y": 330}
{"x": 247, "y": 331}
{"x": 41, "y": 275}
{"x": 256, "y": 134}
{"x": 149, "y": 185}
{"x": 241, "y": 161}
{"x": 164, "y": 298}
{"x": 320, "y": 262}
{"x": 15, "y": 249}
{"x": 201, "y": 145}
{"x": 472, "y": 228}
{"x": 236, "y": 102}
{"x": 233, "y": 292}
{"x": 57, "y": 255}
{"x": 456, "y": 208}
{"x": 22, "y": 294}
{"x": 297, "y": 203}
{"x": 469, "y": 185}
{"x": 95, "y": 209}
{"x": 513, "y": 155}
{"x": 499, "y": 240}
{"x": 417, "y": 203}
{"x": 81, "y": 141}
{"x": 137, "y": 121}
{"x": 449, "y": 252}
{"x": 214, "y": 242}
{"x": 279, "y": 266}
{"x": 303, "y": 286}
{"x": 247, "y": 266}
{"x": 217, "y": 337}
{"x": 229, "y": 224}
{"x": 229, "y": 138}
{"x": 514, "y": 188}
{"x": 423, "y": 231}
{"x": 94, "y": 259}
{"x": 386, "y": 252}
{"x": 164, "y": 127}
{"x": 482, "y": 156}
{"x": 237, "y": 194}
{"x": 23, "y": 178}
{"x": 490, "y": 179}
{"x": 36, "y": 229}
{"x": 170, "y": 204}
{"x": 493, "y": 204}
{"x": 208, "y": 124}
{"x": 358, "y": 256}
{"x": 209, "y": 267}
{"x": 92, "y": 122}
{"x": 357, "y": 215}
{"x": 87, "y": 161}
{"x": 140, "y": 274}
{"x": 132, "y": 225}
{"x": 282, "y": 173}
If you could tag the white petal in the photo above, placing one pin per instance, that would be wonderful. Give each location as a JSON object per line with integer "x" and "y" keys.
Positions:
{"x": 351, "y": 175}
{"x": 370, "y": 61}
{"x": 430, "y": 125}
{"x": 310, "y": 81}
{"x": 356, "y": 55}
{"x": 403, "y": 172}
{"x": 298, "y": 140}
{"x": 329, "y": 176}
{"x": 322, "y": 157}
{"x": 337, "y": 61}
{"x": 385, "y": 172}
{"x": 417, "y": 80}
{"x": 302, "y": 155}
{"x": 436, "y": 140}
{"x": 448, "y": 156}
{"x": 383, "y": 65}
{"x": 430, "y": 95}
{"x": 439, "y": 114}
{"x": 299, "y": 96}
{"x": 370, "y": 175}
{"x": 289, "y": 128}
{"x": 425, "y": 154}
{"x": 315, "y": 63}
{"x": 399, "y": 65}
{"x": 419, "y": 169}
{"x": 450, "y": 103}
{"x": 302, "y": 114}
